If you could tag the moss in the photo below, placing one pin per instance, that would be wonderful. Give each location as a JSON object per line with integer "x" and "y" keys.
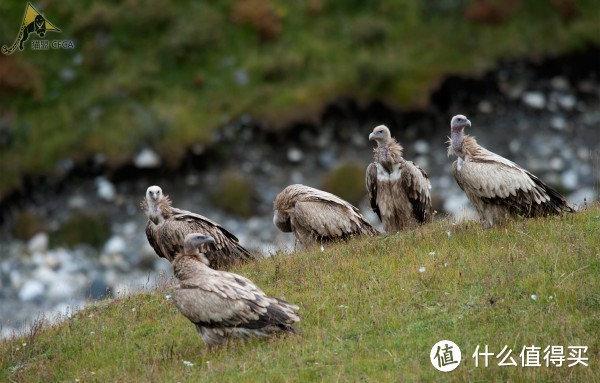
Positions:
{"x": 26, "y": 224}
{"x": 347, "y": 182}
{"x": 235, "y": 194}
{"x": 83, "y": 228}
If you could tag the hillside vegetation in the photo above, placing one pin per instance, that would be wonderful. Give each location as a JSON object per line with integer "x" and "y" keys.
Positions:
{"x": 372, "y": 310}
{"x": 168, "y": 74}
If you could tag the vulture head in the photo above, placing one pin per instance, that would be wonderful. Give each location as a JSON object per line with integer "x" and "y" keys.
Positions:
{"x": 186, "y": 262}
{"x": 459, "y": 122}
{"x": 153, "y": 194}
{"x": 381, "y": 134}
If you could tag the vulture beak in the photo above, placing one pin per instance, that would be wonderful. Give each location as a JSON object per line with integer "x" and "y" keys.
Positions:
{"x": 468, "y": 123}
{"x": 371, "y": 137}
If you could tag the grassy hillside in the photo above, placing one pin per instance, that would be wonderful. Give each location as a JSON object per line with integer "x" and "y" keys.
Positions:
{"x": 168, "y": 74}
{"x": 372, "y": 309}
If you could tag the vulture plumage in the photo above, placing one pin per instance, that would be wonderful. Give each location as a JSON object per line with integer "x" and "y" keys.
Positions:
{"x": 224, "y": 305}
{"x": 167, "y": 227}
{"x": 498, "y": 188}
{"x": 398, "y": 189}
{"x": 315, "y": 216}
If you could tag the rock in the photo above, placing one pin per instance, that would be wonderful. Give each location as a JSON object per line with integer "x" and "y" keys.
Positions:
{"x": 326, "y": 159}
{"x": 358, "y": 140}
{"x": 570, "y": 179}
{"x": 115, "y": 245}
{"x": 77, "y": 202}
{"x": 38, "y": 243}
{"x": 31, "y": 290}
{"x": 559, "y": 83}
{"x": 557, "y": 163}
{"x": 581, "y": 196}
{"x": 241, "y": 77}
{"x": 98, "y": 290}
{"x": 558, "y": 123}
{"x": 535, "y": 100}
{"x": 421, "y": 147}
{"x": 295, "y": 155}
{"x": 67, "y": 74}
{"x": 566, "y": 101}
{"x": 485, "y": 107}
{"x": 147, "y": 159}
{"x": 514, "y": 146}
{"x": 105, "y": 189}
{"x": 62, "y": 288}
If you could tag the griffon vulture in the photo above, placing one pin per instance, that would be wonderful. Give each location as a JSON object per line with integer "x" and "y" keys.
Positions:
{"x": 398, "y": 189}
{"x": 224, "y": 305}
{"x": 315, "y": 216}
{"x": 167, "y": 227}
{"x": 498, "y": 188}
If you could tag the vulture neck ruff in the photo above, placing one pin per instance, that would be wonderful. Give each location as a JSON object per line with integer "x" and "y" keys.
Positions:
{"x": 388, "y": 154}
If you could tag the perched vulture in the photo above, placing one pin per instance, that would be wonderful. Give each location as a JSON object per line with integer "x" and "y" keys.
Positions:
{"x": 315, "y": 216}
{"x": 224, "y": 305}
{"x": 167, "y": 227}
{"x": 398, "y": 189}
{"x": 498, "y": 188}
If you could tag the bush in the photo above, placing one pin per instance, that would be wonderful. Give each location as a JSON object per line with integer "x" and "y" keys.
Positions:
{"x": 235, "y": 194}
{"x": 346, "y": 181}
{"x": 83, "y": 228}
{"x": 26, "y": 225}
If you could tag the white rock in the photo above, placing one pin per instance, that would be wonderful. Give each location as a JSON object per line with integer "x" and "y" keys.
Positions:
{"x": 558, "y": 123}
{"x": 38, "y": 243}
{"x": 116, "y": 244}
{"x": 587, "y": 195}
{"x": 105, "y": 189}
{"x": 295, "y": 155}
{"x": 560, "y": 83}
{"x": 61, "y": 288}
{"x": 421, "y": 147}
{"x": 557, "y": 163}
{"x": 570, "y": 179}
{"x": 77, "y": 202}
{"x": 147, "y": 159}
{"x": 535, "y": 100}
{"x": 485, "y": 107}
{"x": 31, "y": 290}
{"x": 567, "y": 101}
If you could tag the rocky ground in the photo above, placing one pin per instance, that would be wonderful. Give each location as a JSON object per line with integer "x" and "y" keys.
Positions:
{"x": 544, "y": 116}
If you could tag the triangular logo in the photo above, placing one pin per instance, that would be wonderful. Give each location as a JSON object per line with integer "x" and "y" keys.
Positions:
{"x": 33, "y": 22}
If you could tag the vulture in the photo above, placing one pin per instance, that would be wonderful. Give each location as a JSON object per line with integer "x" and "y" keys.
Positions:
{"x": 398, "y": 189}
{"x": 167, "y": 227}
{"x": 498, "y": 188}
{"x": 224, "y": 305}
{"x": 315, "y": 216}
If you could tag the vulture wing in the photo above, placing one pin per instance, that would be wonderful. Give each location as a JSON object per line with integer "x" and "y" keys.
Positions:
{"x": 371, "y": 182}
{"x": 232, "y": 301}
{"x": 330, "y": 220}
{"x": 172, "y": 232}
{"x": 415, "y": 183}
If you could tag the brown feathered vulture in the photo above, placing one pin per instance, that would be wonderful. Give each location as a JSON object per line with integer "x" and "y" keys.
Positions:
{"x": 498, "y": 188}
{"x": 167, "y": 227}
{"x": 398, "y": 189}
{"x": 315, "y": 216}
{"x": 224, "y": 305}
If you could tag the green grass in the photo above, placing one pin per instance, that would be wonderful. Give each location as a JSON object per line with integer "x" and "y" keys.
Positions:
{"x": 368, "y": 314}
{"x": 161, "y": 74}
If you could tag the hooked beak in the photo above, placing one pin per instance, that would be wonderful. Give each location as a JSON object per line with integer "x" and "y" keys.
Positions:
{"x": 372, "y": 137}
{"x": 468, "y": 123}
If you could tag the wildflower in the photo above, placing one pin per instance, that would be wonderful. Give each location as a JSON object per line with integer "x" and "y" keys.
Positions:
{"x": 168, "y": 296}
{"x": 422, "y": 269}
{"x": 432, "y": 253}
{"x": 534, "y": 297}
{"x": 188, "y": 363}
{"x": 449, "y": 234}
{"x": 322, "y": 248}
